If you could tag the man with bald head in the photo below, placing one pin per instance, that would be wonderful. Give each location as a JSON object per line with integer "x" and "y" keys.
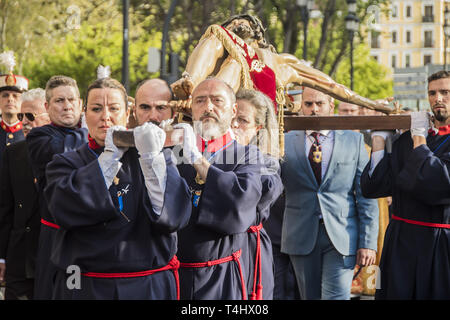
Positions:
{"x": 151, "y": 102}
{"x": 225, "y": 180}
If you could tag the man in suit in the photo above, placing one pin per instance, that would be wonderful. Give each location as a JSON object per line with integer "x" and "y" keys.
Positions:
{"x": 328, "y": 225}
{"x": 19, "y": 214}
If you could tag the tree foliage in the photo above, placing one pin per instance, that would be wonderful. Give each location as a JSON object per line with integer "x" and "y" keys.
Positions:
{"x": 73, "y": 37}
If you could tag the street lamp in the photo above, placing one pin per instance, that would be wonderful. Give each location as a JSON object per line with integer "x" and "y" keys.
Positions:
{"x": 446, "y": 34}
{"x": 305, "y": 7}
{"x": 351, "y": 24}
{"x": 164, "y": 74}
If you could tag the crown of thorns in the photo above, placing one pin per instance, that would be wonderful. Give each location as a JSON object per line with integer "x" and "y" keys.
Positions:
{"x": 255, "y": 23}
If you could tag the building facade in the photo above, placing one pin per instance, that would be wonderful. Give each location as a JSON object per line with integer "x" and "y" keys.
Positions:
{"x": 411, "y": 35}
{"x": 410, "y": 40}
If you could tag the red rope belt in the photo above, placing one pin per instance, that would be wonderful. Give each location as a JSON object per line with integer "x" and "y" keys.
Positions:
{"x": 257, "y": 288}
{"x": 421, "y": 223}
{"x": 49, "y": 224}
{"x": 173, "y": 265}
{"x": 234, "y": 257}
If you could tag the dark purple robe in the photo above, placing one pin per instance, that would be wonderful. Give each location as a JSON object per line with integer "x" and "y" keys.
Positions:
{"x": 415, "y": 261}
{"x": 43, "y": 143}
{"x": 218, "y": 226}
{"x": 113, "y": 230}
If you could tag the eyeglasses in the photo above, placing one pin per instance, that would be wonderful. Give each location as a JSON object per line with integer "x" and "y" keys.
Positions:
{"x": 30, "y": 116}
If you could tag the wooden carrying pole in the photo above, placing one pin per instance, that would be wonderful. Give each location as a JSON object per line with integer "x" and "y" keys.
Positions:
{"x": 390, "y": 122}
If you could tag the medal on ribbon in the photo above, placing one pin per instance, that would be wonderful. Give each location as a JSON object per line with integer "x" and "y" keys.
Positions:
{"x": 196, "y": 198}
{"x": 317, "y": 154}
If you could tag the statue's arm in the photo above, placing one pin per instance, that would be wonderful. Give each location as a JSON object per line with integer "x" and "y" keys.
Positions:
{"x": 289, "y": 69}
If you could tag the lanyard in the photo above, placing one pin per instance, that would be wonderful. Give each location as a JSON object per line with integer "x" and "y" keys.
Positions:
{"x": 223, "y": 148}
{"x": 119, "y": 193}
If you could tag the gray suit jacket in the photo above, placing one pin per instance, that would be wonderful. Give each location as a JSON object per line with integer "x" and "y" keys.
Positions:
{"x": 350, "y": 219}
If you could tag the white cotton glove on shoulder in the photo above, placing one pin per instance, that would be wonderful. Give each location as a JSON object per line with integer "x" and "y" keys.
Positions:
{"x": 149, "y": 141}
{"x": 109, "y": 158}
{"x": 420, "y": 123}
{"x": 190, "y": 151}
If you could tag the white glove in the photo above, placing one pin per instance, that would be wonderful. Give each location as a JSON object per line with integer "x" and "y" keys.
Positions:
{"x": 109, "y": 158}
{"x": 149, "y": 139}
{"x": 384, "y": 134}
{"x": 190, "y": 150}
{"x": 420, "y": 123}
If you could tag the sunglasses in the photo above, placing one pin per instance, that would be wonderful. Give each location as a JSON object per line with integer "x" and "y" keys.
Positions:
{"x": 30, "y": 116}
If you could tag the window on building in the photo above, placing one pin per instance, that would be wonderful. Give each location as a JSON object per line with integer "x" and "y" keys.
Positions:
{"x": 408, "y": 11}
{"x": 408, "y": 36}
{"x": 375, "y": 39}
{"x": 394, "y": 36}
{"x": 407, "y": 61}
{"x": 427, "y": 59}
{"x": 394, "y": 61}
{"x": 428, "y": 17}
{"x": 394, "y": 11}
{"x": 428, "y": 39}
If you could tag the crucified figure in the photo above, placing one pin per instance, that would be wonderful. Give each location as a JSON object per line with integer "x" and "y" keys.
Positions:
{"x": 238, "y": 53}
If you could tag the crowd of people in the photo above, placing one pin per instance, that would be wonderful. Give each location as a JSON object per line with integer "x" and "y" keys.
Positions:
{"x": 220, "y": 213}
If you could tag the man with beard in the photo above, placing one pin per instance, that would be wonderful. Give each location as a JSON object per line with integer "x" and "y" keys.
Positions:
{"x": 328, "y": 226}
{"x": 19, "y": 212}
{"x": 416, "y": 252}
{"x": 238, "y": 53}
{"x": 225, "y": 182}
{"x": 63, "y": 134}
{"x": 151, "y": 102}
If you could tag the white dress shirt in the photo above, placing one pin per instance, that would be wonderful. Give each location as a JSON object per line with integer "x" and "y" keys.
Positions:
{"x": 326, "y": 140}
{"x": 374, "y": 160}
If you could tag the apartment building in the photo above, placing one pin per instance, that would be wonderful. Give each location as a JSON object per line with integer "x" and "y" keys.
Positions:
{"x": 411, "y": 41}
{"x": 412, "y": 35}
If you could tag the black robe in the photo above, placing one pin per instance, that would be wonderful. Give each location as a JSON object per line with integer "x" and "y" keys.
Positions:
{"x": 272, "y": 187}
{"x": 19, "y": 221}
{"x": 218, "y": 225}
{"x": 415, "y": 261}
{"x": 97, "y": 236}
{"x": 43, "y": 143}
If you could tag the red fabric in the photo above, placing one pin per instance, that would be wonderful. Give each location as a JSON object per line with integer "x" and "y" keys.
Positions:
{"x": 257, "y": 288}
{"x": 442, "y": 131}
{"x": 50, "y": 224}
{"x": 421, "y": 223}
{"x": 12, "y": 129}
{"x": 234, "y": 257}
{"x": 262, "y": 76}
{"x": 213, "y": 145}
{"x": 173, "y": 265}
{"x": 92, "y": 143}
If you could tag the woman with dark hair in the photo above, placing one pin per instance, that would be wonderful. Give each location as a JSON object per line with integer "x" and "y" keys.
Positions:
{"x": 118, "y": 223}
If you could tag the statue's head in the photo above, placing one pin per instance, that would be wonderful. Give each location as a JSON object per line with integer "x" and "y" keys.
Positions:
{"x": 247, "y": 26}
